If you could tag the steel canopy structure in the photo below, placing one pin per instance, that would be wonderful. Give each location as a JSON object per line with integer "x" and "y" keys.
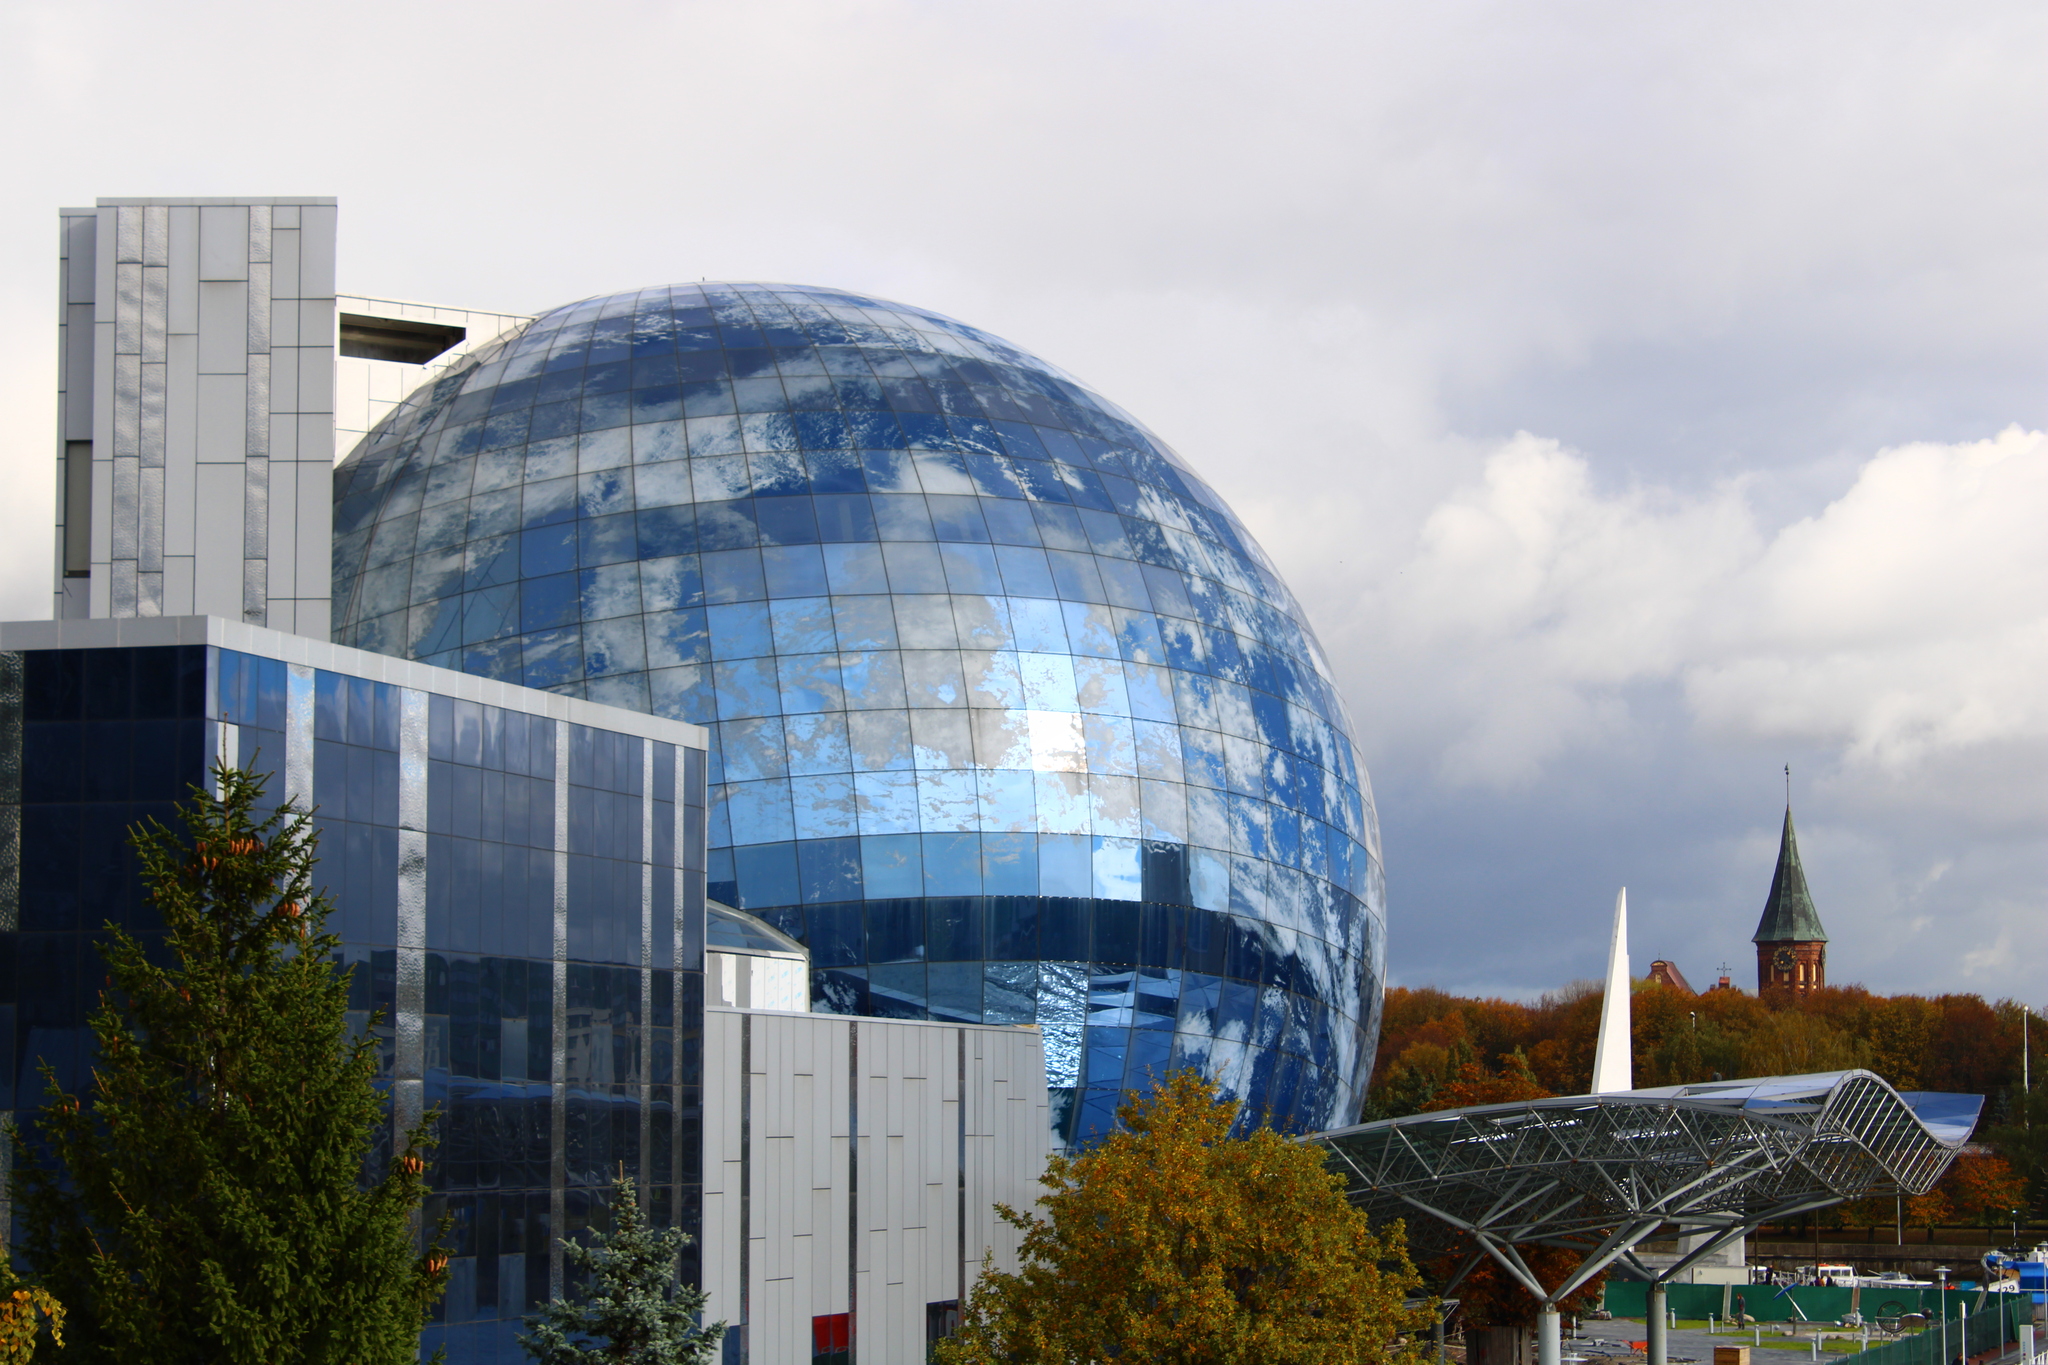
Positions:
{"x": 1601, "y": 1173}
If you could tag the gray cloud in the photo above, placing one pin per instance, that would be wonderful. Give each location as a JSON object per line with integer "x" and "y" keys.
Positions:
{"x": 1730, "y": 265}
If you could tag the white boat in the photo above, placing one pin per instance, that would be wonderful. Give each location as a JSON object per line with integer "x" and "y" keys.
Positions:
{"x": 1890, "y": 1279}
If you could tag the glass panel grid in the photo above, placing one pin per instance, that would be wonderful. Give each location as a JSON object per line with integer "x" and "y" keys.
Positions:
{"x": 961, "y": 629}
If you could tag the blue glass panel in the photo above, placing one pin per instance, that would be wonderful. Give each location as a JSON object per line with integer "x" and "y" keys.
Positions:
{"x": 1063, "y": 928}
{"x": 766, "y": 874}
{"x": 747, "y": 687}
{"x": 1065, "y": 866}
{"x": 897, "y": 991}
{"x": 891, "y": 865}
{"x": 830, "y": 869}
{"x": 835, "y": 935}
{"x": 1149, "y": 1059}
{"x": 1010, "y": 864}
{"x": 548, "y": 602}
{"x": 895, "y": 930}
{"x": 954, "y": 991}
{"x": 1117, "y": 869}
{"x": 1108, "y": 1049}
{"x": 740, "y": 630}
{"x": 952, "y": 864}
{"x": 665, "y": 531}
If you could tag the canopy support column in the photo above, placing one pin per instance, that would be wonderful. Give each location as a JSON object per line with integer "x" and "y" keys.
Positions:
{"x": 1549, "y": 1340}
{"x": 1655, "y": 1321}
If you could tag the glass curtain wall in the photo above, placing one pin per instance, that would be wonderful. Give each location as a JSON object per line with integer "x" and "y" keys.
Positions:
{"x": 554, "y": 979}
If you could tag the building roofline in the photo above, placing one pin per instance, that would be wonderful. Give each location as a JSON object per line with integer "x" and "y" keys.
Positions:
{"x": 136, "y": 632}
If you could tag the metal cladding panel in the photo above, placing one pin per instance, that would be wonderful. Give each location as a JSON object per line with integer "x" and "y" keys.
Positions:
{"x": 197, "y": 359}
{"x": 722, "y": 1160}
{"x": 912, "y": 1168}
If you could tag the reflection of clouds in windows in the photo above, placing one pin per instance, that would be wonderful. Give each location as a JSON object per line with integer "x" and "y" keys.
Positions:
{"x": 924, "y": 588}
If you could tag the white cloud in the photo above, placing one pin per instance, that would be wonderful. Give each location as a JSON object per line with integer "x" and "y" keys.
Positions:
{"x": 1906, "y": 621}
{"x": 1908, "y": 618}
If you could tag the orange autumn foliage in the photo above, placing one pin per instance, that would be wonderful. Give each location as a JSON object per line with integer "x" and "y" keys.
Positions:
{"x": 19, "y": 1325}
{"x": 1174, "y": 1242}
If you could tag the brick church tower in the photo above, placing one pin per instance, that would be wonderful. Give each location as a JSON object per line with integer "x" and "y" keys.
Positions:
{"x": 1791, "y": 947}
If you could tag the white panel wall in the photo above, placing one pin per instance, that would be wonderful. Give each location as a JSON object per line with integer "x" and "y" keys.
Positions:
{"x": 757, "y": 981}
{"x": 366, "y": 390}
{"x": 950, "y": 1118}
{"x": 207, "y": 395}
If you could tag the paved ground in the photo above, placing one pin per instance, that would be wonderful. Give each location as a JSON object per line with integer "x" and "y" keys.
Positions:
{"x": 1598, "y": 1339}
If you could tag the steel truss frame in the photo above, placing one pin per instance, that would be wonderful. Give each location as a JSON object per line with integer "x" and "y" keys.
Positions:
{"x": 1601, "y": 1173}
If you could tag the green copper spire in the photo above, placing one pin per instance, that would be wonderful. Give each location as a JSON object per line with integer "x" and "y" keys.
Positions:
{"x": 1789, "y": 916}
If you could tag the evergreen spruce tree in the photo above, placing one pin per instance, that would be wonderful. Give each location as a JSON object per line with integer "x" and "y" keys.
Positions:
{"x": 209, "y": 1201}
{"x": 636, "y": 1312}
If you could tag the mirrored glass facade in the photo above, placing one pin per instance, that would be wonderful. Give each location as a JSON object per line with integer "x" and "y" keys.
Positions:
{"x": 1012, "y": 721}
{"x": 520, "y": 895}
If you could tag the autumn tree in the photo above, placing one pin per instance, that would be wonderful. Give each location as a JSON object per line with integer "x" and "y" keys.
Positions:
{"x": 208, "y": 1199}
{"x": 1490, "y": 1297}
{"x": 26, "y": 1312}
{"x": 1173, "y": 1243}
{"x": 1984, "y": 1185}
{"x": 1929, "y": 1210}
{"x": 1877, "y": 1211}
{"x": 1900, "y": 1031}
{"x": 1475, "y": 1085}
{"x": 1790, "y": 1042}
{"x": 2023, "y": 1140}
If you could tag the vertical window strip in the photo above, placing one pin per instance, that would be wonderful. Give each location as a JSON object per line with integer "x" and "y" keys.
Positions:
{"x": 408, "y": 1098}
{"x": 558, "y": 1056}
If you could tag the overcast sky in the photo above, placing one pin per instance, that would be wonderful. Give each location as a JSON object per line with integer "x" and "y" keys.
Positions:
{"x": 1640, "y": 397}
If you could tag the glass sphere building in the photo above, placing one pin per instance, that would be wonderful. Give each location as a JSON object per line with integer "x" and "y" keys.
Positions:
{"x": 1011, "y": 719}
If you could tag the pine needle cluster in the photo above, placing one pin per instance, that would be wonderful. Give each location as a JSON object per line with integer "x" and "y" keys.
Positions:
{"x": 635, "y": 1313}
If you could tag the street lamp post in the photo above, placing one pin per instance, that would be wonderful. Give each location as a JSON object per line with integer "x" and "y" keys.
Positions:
{"x": 1941, "y": 1276}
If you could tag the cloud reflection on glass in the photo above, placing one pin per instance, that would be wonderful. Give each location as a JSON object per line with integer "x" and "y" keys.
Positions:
{"x": 1011, "y": 719}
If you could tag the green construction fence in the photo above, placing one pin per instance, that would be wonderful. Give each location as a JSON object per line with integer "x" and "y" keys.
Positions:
{"x": 1972, "y": 1331}
{"x": 1771, "y": 1303}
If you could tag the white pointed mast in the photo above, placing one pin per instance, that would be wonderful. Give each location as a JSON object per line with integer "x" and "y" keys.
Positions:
{"x": 1612, "y": 1069}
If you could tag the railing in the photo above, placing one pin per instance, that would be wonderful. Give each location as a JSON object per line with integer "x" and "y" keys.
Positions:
{"x": 1967, "y": 1335}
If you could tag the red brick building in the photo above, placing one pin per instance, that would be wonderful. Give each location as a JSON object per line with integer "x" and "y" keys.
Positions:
{"x": 1663, "y": 973}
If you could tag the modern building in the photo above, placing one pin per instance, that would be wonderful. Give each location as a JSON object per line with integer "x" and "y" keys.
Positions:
{"x": 792, "y": 746}
{"x": 519, "y": 887}
{"x": 1791, "y": 946}
{"x": 1011, "y": 720}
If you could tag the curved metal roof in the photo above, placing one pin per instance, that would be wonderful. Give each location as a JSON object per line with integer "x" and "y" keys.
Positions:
{"x": 1603, "y": 1172}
